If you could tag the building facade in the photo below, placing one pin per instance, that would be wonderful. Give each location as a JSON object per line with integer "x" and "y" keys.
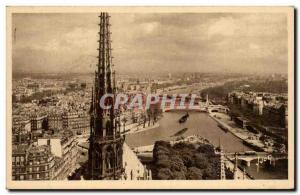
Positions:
{"x": 32, "y": 162}
{"x": 50, "y": 158}
{"x": 55, "y": 122}
{"x": 78, "y": 122}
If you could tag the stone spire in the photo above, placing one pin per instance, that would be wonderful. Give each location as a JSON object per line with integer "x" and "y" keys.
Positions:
{"x": 106, "y": 142}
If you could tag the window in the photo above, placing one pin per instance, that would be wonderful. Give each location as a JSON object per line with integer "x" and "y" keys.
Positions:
{"x": 14, "y": 160}
{"x": 21, "y": 177}
{"x": 30, "y": 176}
{"x": 17, "y": 160}
{"x": 38, "y": 176}
{"x": 22, "y": 160}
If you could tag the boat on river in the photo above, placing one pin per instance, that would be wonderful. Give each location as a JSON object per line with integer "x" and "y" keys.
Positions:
{"x": 254, "y": 147}
{"x": 223, "y": 128}
{"x": 180, "y": 132}
{"x": 184, "y": 118}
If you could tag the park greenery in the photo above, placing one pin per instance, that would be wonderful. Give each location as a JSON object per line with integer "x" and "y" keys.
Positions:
{"x": 220, "y": 93}
{"x": 185, "y": 161}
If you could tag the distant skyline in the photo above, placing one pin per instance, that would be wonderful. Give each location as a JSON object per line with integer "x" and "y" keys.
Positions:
{"x": 144, "y": 42}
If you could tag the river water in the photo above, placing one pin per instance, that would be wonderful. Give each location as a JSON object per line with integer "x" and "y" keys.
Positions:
{"x": 197, "y": 124}
{"x": 201, "y": 124}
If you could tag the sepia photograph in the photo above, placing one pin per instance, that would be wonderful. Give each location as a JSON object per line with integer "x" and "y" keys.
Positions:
{"x": 133, "y": 97}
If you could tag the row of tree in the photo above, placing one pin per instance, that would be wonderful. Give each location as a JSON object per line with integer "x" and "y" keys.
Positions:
{"x": 219, "y": 93}
{"x": 185, "y": 161}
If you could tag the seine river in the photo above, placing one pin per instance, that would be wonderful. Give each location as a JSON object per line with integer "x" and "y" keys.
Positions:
{"x": 200, "y": 124}
{"x": 197, "y": 124}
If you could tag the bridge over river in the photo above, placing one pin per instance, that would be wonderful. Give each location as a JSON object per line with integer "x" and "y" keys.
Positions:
{"x": 202, "y": 124}
{"x": 193, "y": 105}
{"x": 247, "y": 157}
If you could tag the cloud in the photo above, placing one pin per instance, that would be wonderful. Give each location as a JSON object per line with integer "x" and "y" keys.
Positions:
{"x": 223, "y": 26}
{"x": 153, "y": 42}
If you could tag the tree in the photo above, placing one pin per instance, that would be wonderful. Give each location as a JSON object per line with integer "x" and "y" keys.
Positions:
{"x": 229, "y": 174}
{"x": 144, "y": 120}
{"x": 211, "y": 172}
{"x": 177, "y": 163}
{"x": 194, "y": 173}
{"x": 124, "y": 120}
{"x": 207, "y": 149}
{"x": 164, "y": 163}
{"x": 179, "y": 175}
{"x": 201, "y": 161}
{"x": 187, "y": 160}
{"x": 164, "y": 174}
{"x": 184, "y": 161}
{"x": 149, "y": 114}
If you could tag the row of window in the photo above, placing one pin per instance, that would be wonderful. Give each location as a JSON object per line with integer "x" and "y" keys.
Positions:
{"x": 21, "y": 161}
{"x": 30, "y": 176}
{"x": 31, "y": 169}
{"x": 18, "y": 159}
{"x": 38, "y": 168}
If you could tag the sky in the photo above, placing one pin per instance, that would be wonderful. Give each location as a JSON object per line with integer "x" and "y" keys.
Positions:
{"x": 152, "y": 42}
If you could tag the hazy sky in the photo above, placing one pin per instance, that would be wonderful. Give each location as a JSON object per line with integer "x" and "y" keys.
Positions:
{"x": 202, "y": 42}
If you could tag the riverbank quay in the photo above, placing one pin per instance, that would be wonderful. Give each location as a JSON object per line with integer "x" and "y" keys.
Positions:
{"x": 136, "y": 128}
{"x": 248, "y": 138}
